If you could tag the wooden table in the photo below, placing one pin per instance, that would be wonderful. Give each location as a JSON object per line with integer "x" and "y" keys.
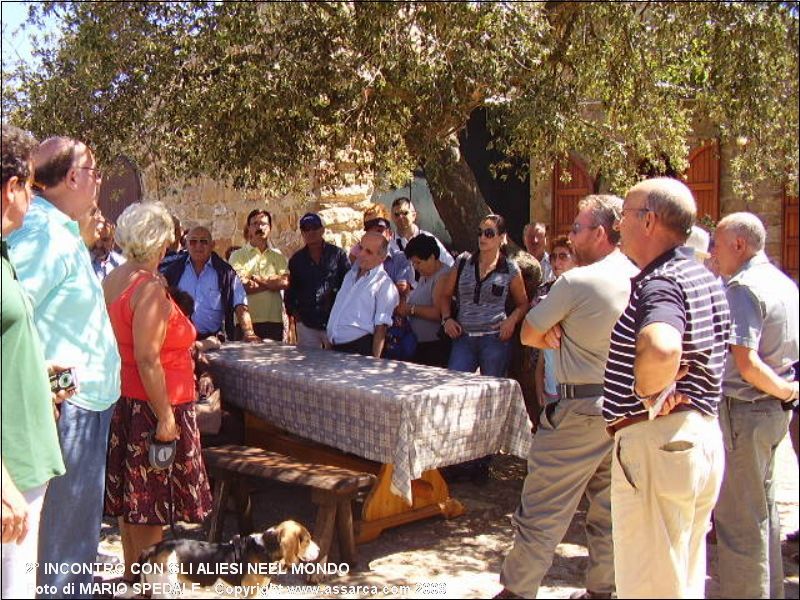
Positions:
{"x": 397, "y": 420}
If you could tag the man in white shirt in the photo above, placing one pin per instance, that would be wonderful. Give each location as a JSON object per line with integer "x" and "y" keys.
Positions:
{"x": 364, "y": 305}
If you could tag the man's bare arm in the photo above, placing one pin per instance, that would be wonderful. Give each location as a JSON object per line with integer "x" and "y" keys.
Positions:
{"x": 658, "y": 358}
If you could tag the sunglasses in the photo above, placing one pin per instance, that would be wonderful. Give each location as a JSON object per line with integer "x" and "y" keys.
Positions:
{"x": 201, "y": 242}
{"x": 309, "y": 227}
{"x": 402, "y": 213}
{"x": 562, "y": 255}
{"x": 488, "y": 233}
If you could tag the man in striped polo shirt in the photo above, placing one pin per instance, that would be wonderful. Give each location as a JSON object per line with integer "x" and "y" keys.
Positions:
{"x": 669, "y": 344}
{"x": 571, "y": 453}
{"x": 758, "y": 388}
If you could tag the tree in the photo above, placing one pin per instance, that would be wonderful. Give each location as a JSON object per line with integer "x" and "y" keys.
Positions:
{"x": 257, "y": 92}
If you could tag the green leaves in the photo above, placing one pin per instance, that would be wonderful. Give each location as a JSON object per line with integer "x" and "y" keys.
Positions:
{"x": 257, "y": 92}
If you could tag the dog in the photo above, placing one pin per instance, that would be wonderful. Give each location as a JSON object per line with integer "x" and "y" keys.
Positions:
{"x": 245, "y": 563}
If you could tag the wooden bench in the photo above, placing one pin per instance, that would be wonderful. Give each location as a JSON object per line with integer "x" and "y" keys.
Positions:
{"x": 332, "y": 490}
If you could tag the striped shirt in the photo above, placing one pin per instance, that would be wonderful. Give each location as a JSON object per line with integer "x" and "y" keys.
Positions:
{"x": 482, "y": 302}
{"x": 677, "y": 290}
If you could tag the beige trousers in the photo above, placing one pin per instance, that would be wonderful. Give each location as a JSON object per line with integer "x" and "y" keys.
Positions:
{"x": 665, "y": 479}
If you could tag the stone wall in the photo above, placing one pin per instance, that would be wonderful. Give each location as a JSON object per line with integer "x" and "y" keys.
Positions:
{"x": 224, "y": 210}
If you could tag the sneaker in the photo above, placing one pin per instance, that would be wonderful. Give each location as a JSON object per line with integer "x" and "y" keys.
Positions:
{"x": 590, "y": 594}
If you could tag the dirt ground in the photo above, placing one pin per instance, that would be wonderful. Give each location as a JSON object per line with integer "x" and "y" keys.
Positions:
{"x": 458, "y": 558}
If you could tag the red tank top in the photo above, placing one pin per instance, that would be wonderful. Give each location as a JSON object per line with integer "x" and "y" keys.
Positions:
{"x": 176, "y": 357}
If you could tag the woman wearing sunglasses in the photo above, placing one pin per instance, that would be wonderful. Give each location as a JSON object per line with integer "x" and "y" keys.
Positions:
{"x": 480, "y": 283}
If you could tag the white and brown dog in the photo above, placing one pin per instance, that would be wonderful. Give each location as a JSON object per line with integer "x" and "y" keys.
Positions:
{"x": 245, "y": 563}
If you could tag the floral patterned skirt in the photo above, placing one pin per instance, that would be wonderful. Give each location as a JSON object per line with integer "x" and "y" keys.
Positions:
{"x": 141, "y": 494}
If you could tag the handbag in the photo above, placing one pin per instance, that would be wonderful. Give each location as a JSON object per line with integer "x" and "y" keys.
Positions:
{"x": 208, "y": 412}
{"x": 401, "y": 341}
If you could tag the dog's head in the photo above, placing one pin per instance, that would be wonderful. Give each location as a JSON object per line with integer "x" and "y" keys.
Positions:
{"x": 289, "y": 541}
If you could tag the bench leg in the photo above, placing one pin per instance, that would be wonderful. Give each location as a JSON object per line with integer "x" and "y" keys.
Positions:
{"x": 324, "y": 528}
{"x": 244, "y": 507}
{"x": 217, "y": 520}
{"x": 344, "y": 531}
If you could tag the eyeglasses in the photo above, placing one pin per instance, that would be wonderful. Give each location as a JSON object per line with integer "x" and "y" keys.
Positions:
{"x": 201, "y": 242}
{"x": 98, "y": 174}
{"x": 488, "y": 233}
{"x": 578, "y": 227}
{"x": 562, "y": 255}
{"x": 402, "y": 213}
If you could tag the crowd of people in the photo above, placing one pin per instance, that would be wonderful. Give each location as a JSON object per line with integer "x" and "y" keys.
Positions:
{"x": 656, "y": 387}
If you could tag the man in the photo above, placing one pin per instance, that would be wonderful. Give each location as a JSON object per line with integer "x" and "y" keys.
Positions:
{"x": 316, "y": 272}
{"x": 175, "y": 251}
{"x": 30, "y": 452}
{"x": 104, "y": 258}
{"x": 364, "y": 305}
{"x": 754, "y": 414}
{"x": 395, "y": 264}
{"x": 70, "y": 315}
{"x": 404, "y": 216}
{"x": 264, "y": 273}
{"x": 571, "y": 453}
{"x": 535, "y": 236}
{"x": 218, "y": 294}
{"x": 669, "y": 344}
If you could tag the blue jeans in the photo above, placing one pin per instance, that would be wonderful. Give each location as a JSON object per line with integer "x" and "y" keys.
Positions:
{"x": 484, "y": 351}
{"x": 72, "y": 514}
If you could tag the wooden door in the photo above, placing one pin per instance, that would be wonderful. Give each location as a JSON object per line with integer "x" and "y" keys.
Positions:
{"x": 702, "y": 177}
{"x": 789, "y": 256}
{"x": 566, "y": 195}
{"x": 121, "y": 187}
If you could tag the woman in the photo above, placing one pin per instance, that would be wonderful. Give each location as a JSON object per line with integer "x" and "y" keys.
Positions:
{"x": 155, "y": 340}
{"x": 562, "y": 257}
{"x": 481, "y": 282}
{"x": 420, "y": 309}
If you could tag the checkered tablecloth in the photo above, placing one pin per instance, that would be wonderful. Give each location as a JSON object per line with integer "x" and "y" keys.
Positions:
{"x": 411, "y": 416}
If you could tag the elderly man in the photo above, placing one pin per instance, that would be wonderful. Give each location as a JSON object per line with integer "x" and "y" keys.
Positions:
{"x": 364, "y": 306}
{"x": 754, "y": 415}
{"x": 70, "y": 314}
{"x": 571, "y": 451}
{"x": 104, "y": 258}
{"x": 316, "y": 272}
{"x": 215, "y": 287}
{"x": 662, "y": 389}
{"x": 264, "y": 273}
{"x": 535, "y": 237}
{"x": 404, "y": 216}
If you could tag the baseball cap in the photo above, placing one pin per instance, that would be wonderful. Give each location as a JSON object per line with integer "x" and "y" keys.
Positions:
{"x": 310, "y": 221}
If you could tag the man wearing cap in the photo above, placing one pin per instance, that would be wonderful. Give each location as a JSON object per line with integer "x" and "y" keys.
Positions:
{"x": 264, "y": 273}
{"x": 404, "y": 216}
{"x": 316, "y": 272}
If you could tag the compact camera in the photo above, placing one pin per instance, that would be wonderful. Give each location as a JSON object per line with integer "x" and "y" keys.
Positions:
{"x": 66, "y": 380}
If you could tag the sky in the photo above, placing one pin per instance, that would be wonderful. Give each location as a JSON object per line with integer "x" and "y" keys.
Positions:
{"x": 16, "y": 45}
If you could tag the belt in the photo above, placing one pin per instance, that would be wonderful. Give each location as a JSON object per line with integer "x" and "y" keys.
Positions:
{"x": 587, "y": 390}
{"x": 628, "y": 421}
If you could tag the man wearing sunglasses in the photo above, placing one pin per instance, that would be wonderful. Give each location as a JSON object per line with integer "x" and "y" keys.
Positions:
{"x": 404, "y": 216}
{"x": 215, "y": 287}
{"x": 571, "y": 452}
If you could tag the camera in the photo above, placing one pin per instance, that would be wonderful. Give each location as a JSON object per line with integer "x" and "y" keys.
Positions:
{"x": 66, "y": 380}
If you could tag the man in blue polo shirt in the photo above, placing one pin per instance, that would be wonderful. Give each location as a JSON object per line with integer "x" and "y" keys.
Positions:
{"x": 54, "y": 267}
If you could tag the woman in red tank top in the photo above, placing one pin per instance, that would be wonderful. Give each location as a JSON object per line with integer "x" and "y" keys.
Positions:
{"x": 155, "y": 341}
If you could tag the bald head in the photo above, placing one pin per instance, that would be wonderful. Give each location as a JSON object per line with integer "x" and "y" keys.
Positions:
{"x": 671, "y": 201}
{"x": 200, "y": 231}
{"x": 54, "y": 157}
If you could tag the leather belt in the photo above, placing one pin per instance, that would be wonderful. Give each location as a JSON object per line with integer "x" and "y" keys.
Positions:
{"x": 586, "y": 390}
{"x": 628, "y": 421}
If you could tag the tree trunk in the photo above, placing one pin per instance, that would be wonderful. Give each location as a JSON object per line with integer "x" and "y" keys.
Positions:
{"x": 457, "y": 197}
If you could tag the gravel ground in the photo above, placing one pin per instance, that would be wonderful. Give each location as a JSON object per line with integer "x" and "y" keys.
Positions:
{"x": 458, "y": 558}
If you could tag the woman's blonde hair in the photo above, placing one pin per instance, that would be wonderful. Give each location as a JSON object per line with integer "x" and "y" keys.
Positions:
{"x": 143, "y": 230}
